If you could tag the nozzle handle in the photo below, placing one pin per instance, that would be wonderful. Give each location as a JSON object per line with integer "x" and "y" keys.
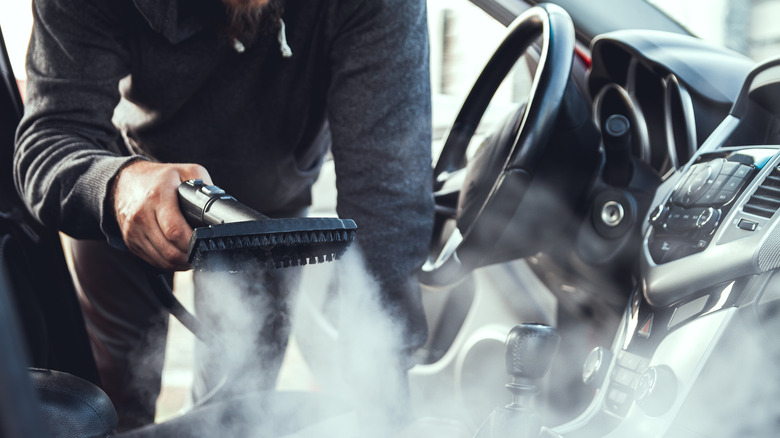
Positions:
{"x": 203, "y": 205}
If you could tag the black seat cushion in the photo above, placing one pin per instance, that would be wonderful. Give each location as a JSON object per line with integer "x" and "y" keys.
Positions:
{"x": 72, "y": 406}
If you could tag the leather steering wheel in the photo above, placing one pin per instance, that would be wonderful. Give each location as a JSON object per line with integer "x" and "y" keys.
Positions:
{"x": 497, "y": 178}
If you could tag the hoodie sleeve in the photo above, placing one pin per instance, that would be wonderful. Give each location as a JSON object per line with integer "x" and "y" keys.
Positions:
{"x": 379, "y": 110}
{"x": 66, "y": 152}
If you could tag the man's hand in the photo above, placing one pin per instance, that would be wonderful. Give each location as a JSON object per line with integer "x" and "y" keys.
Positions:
{"x": 146, "y": 206}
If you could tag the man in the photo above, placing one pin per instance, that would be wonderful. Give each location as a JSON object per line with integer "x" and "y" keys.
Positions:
{"x": 249, "y": 94}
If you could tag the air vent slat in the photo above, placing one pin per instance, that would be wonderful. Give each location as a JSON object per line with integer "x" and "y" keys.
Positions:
{"x": 771, "y": 190}
{"x": 774, "y": 179}
{"x": 766, "y": 199}
{"x": 759, "y": 210}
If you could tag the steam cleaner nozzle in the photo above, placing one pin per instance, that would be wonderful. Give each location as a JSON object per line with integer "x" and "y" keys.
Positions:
{"x": 231, "y": 236}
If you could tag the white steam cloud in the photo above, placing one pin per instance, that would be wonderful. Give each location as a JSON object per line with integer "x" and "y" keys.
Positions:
{"x": 354, "y": 351}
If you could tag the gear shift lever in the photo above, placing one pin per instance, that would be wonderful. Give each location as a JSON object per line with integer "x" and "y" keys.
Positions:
{"x": 530, "y": 349}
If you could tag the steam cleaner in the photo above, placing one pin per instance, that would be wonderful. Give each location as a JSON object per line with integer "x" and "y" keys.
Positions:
{"x": 229, "y": 236}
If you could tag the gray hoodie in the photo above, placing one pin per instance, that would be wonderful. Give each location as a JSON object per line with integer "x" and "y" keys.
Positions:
{"x": 110, "y": 81}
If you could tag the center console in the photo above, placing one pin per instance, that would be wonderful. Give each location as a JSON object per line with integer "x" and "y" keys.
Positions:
{"x": 696, "y": 350}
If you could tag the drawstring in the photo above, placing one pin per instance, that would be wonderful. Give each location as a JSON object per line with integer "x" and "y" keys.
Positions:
{"x": 238, "y": 46}
{"x": 283, "y": 46}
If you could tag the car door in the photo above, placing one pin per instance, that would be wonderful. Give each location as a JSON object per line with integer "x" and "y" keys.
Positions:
{"x": 32, "y": 258}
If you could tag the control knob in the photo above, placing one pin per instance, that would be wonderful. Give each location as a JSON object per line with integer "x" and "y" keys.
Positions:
{"x": 708, "y": 220}
{"x": 594, "y": 370}
{"x": 656, "y": 390}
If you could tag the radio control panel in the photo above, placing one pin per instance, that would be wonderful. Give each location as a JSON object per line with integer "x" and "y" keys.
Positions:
{"x": 685, "y": 224}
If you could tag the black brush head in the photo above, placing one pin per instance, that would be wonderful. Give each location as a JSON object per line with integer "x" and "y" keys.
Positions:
{"x": 270, "y": 243}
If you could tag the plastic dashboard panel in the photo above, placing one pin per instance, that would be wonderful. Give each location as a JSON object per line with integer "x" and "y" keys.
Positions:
{"x": 744, "y": 242}
{"x": 673, "y": 88}
{"x": 733, "y": 252}
{"x": 707, "y": 69}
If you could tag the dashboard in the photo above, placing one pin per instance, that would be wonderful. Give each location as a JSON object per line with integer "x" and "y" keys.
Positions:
{"x": 673, "y": 91}
{"x": 705, "y": 304}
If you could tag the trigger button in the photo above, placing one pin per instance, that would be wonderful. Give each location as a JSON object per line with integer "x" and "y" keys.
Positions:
{"x": 212, "y": 191}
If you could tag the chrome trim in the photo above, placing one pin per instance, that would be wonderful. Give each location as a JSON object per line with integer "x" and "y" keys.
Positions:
{"x": 449, "y": 250}
{"x": 671, "y": 84}
{"x": 612, "y": 214}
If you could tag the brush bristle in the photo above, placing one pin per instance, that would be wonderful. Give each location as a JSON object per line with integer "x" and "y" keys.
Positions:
{"x": 233, "y": 248}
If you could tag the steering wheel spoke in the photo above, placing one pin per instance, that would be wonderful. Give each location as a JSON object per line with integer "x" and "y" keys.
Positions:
{"x": 446, "y": 198}
{"x": 466, "y": 195}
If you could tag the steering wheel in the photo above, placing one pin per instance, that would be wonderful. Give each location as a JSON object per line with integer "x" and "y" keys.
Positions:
{"x": 491, "y": 186}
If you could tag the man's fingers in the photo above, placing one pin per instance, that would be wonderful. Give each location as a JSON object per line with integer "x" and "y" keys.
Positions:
{"x": 146, "y": 207}
{"x": 194, "y": 171}
{"x": 173, "y": 226}
{"x": 158, "y": 251}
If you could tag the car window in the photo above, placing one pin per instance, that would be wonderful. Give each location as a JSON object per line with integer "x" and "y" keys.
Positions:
{"x": 749, "y": 27}
{"x": 463, "y": 37}
{"x": 16, "y": 22}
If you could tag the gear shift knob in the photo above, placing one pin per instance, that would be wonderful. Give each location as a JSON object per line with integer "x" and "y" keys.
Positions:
{"x": 530, "y": 349}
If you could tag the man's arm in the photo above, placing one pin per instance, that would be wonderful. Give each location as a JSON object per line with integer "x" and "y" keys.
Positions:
{"x": 380, "y": 118}
{"x": 68, "y": 161}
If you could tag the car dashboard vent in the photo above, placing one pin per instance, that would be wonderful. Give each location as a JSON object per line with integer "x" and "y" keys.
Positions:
{"x": 766, "y": 200}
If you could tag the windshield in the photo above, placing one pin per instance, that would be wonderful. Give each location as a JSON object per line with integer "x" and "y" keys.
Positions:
{"x": 749, "y": 27}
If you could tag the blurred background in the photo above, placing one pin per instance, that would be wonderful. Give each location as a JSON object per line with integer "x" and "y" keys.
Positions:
{"x": 462, "y": 38}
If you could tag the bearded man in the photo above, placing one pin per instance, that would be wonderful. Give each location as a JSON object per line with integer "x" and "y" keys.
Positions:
{"x": 128, "y": 98}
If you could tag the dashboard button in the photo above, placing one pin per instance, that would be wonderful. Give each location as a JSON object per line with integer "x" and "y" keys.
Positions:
{"x": 743, "y": 171}
{"x": 725, "y": 196}
{"x": 659, "y": 215}
{"x": 729, "y": 167}
{"x": 625, "y": 377}
{"x": 707, "y": 221}
{"x": 594, "y": 370}
{"x": 709, "y": 197}
{"x": 699, "y": 181}
{"x": 747, "y": 225}
{"x": 734, "y": 183}
{"x": 719, "y": 181}
{"x": 657, "y": 390}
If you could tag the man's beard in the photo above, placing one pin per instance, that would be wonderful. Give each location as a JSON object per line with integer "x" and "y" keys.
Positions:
{"x": 245, "y": 23}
